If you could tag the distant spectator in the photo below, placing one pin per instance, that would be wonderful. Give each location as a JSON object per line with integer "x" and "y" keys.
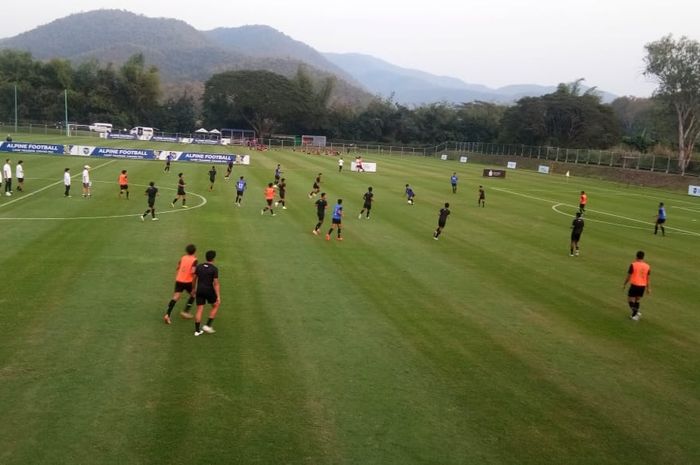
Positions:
{"x": 9, "y": 138}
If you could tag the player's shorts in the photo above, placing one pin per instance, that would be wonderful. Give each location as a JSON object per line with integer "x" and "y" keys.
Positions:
{"x": 239, "y": 193}
{"x": 211, "y": 180}
{"x": 337, "y": 221}
{"x": 575, "y": 237}
{"x": 206, "y": 297}
{"x": 660, "y": 221}
{"x": 442, "y": 223}
{"x": 321, "y": 217}
{"x": 367, "y": 206}
{"x": 282, "y": 194}
{"x": 124, "y": 187}
{"x": 582, "y": 206}
{"x": 636, "y": 291}
{"x": 316, "y": 186}
{"x": 180, "y": 191}
{"x": 482, "y": 197}
{"x": 151, "y": 204}
{"x": 20, "y": 179}
{"x": 86, "y": 185}
{"x": 181, "y": 287}
{"x": 269, "y": 202}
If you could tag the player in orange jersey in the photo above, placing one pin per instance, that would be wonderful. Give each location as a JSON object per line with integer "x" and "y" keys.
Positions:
{"x": 582, "y": 201}
{"x": 269, "y": 198}
{"x": 123, "y": 184}
{"x": 183, "y": 282}
{"x": 638, "y": 278}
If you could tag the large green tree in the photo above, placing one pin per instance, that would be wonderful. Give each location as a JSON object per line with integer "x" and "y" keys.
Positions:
{"x": 675, "y": 64}
{"x": 263, "y": 100}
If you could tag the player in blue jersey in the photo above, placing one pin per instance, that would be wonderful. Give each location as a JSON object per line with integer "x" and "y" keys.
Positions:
{"x": 337, "y": 220}
{"x": 240, "y": 188}
{"x": 410, "y": 194}
{"x": 453, "y": 182}
{"x": 660, "y": 220}
{"x": 278, "y": 174}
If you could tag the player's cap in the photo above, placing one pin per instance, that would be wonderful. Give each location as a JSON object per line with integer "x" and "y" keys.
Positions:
{"x": 87, "y": 167}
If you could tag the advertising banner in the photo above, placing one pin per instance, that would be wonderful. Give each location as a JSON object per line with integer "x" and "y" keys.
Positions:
{"x": 694, "y": 191}
{"x": 511, "y": 165}
{"x": 490, "y": 173}
{"x": 368, "y": 167}
{"x": 544, "y": 169}
{"x": 29, "y": 147}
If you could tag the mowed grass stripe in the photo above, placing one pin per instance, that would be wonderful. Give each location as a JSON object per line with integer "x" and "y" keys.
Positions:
{"x": 488, "y": 346}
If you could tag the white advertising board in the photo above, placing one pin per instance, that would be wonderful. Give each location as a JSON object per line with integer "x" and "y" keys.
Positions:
{"x": 367, "y": 167}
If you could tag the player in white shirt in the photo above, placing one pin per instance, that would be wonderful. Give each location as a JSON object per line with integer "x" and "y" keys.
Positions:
{"x": 86, "y": 181}
{"x": 7, "y": 174}
{"x": 19, "y": 174}
{"x": 340, "y": 164}
{"x": 66, "y": 182}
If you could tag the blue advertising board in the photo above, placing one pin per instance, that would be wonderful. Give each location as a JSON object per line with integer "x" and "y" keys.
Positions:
{"x": 28, "y": 147}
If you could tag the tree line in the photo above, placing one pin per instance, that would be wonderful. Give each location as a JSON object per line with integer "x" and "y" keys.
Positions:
{"x": 132, "y": 94}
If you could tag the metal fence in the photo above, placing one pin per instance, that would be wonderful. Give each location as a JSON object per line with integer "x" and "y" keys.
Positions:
{"x": 664, "y": 163}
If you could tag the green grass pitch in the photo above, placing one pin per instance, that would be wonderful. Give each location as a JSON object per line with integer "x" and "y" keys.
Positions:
{"x": 489, "y": 346}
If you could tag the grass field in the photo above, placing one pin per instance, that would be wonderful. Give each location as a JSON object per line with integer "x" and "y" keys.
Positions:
{"x": 489, "y": 346}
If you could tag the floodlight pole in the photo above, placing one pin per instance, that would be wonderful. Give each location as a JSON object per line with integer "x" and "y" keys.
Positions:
{"x": 15, "y": 108}
{"x": 65, "y": 103}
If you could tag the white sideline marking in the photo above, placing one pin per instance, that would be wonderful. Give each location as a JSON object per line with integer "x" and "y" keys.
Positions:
{"x": 129, "y": 215}
{"x": 684, "y": 208}
{"x": 558, "y": 204}
{"x": 52, "y": 185}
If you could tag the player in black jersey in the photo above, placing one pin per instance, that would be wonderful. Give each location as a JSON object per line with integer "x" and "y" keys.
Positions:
{"x": 282, "y": 193}
{"x": 212, "y": 177}
{"x": 206, "y": 290}
{"x": 442, "y": 220}
{"x": 576, "y": 231}
{"x": 321, "y": 205}
{"x": 151, "y": 193}
{"x": 316, "y": 187}
{"x": 180, "y": 191}
{"x": 482, "y": 197}
{"x": 229, "y": 169}
{"x": 368, "y": 198}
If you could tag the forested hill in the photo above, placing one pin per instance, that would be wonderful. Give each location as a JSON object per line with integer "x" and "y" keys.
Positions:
{"x": 266, "y": 42}
{"x": 178, "y": 50}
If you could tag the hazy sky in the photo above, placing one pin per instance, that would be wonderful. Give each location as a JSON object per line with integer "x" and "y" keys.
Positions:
{"x": 490, "y": 42}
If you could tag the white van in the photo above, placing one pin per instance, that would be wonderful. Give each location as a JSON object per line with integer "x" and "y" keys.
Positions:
{"x": 142, "y": 132}
{"x": 101, "y": 127}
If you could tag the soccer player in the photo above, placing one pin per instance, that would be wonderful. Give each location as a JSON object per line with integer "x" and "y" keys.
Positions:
{"x": 240, "y": 188}
{"x": 576, "y": 231}
{"x": 321, "y": 205}
{"x": 151, "y": 193}
{"x": 482, "y": 197}
{"x": 278, "y": 174}
{"x": 442, "y": 220}
{"x": 66, "y": 182}
{"x": 410, "y": 194}
{"x": 582, "y": 201}
{"x": 316, "y": 188}
{"x": 638, "y": 278}
{"x": 340, "y": 165}
{"x": 19, "y": 174}
{"x": 358, "y": 164}
{"x": 87, "y": 185}
{"x": 282, "y": 187}
{"x": 368, "y": 197}
{"x": 453, "y": 182}
{"x": 207, "y": 290}
{"x": 337, "y": 220}
{"x": 229, "y": 169}
{"x": 269, "y": 198}
{"x": 7, "y": 174}
{"x": 660, "y": 220}
{"x": 212, "y": 178}
{"x": 168, "y": 159}
{"x": 180, "y": 191}
{"x": 183, "y": 282}
{"x": 123, "y": 184}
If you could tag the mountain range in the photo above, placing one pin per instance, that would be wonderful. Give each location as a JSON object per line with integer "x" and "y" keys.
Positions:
{"x": 185, "y": 55}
